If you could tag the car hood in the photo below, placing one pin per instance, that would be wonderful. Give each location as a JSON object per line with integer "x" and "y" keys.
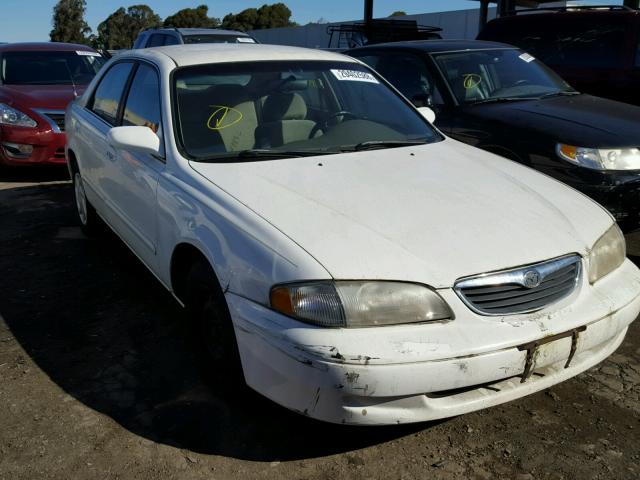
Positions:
{"x": 54, "y": 97}
{"x": 581, "y": 120}
{"x": 428, "y": 214}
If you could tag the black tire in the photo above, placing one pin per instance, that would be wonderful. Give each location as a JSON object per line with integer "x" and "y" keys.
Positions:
{"x": 90, "y": 221}
{"x": 212, "y": 327}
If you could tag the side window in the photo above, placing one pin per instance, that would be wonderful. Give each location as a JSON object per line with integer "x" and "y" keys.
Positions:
{"x": 156, "y": 40}
{"x": 107, "y": 96}
{"x": 170, "y": 40}
{"x": 371, "y": 60}
{"x": 143, "y": 102}
{"x": 637, "y": 62}
{"x": 409, "y": 74}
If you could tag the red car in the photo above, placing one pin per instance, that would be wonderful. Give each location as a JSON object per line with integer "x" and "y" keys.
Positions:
{"x": 37, "y": 82}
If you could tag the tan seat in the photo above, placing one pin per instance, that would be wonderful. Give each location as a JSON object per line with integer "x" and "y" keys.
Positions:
{"x": 284, "y": 121}
{"x": 204, "y": 129}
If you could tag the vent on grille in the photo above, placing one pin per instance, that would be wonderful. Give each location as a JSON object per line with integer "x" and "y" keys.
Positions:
{"x": 522, "y": 290}
{"x": 57, "y": 119}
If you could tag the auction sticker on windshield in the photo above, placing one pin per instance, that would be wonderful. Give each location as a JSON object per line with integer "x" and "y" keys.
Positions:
{"x": 87, "y": 54}
{"x": 527, "y": 58}
{"x": 354, "y": 76}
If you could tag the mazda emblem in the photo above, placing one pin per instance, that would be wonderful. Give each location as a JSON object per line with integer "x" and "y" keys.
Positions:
{"x": 531, "y": 279}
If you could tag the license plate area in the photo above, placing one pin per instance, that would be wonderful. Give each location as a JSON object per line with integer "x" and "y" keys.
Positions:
{"x": 550, "y": 350}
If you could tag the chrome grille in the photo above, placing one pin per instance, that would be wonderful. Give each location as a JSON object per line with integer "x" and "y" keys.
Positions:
{"x": 521, "y": 290}
{"x": 55, "y": 118}
{"x": 58, "y": 119}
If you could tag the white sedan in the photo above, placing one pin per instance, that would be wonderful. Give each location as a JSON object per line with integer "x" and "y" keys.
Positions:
{"x": 358, "y": 266}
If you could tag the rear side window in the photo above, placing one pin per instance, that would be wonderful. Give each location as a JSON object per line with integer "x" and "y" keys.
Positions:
{"x": 143, "y": 102}
{"x": 156, "y": 40}
{"x": 106, "y": 99}
{"x": 170, "y": 40}
{"x": 409, "y": 74}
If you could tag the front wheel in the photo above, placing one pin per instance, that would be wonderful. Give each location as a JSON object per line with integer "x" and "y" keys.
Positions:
{"x": 212, "y": 325}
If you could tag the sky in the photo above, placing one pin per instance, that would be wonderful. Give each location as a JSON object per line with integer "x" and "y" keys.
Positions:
{"x": 19, "y": 25}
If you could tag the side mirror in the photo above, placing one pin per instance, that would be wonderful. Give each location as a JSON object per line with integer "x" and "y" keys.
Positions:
{"x": 427, "y": 113}
{"x": 140, "y": 139}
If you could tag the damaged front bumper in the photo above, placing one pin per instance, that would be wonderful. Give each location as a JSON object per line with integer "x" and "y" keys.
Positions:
{"x": 414, "y": 373}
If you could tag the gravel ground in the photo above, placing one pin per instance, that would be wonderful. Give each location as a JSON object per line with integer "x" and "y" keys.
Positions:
{"x": 98, "y": 380}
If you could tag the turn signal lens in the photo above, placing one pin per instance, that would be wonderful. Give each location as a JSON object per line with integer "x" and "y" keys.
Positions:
{"x": 568, "y": 151}
{"x": 600, "y": 159}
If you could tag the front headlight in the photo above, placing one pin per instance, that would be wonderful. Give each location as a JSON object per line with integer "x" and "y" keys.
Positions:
{"x": 359, "y": 304}
{"x": 601, "y": 158}
{"x": 15, "y": 118}
{"x": 607, "y": 254}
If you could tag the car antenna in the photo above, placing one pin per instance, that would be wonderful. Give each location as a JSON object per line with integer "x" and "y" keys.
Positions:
{"x": 73, "y": 83}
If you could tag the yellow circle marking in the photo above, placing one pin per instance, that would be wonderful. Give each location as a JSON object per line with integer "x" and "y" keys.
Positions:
{"x": 223, "y": 117}
{"x": 471, "y": 80}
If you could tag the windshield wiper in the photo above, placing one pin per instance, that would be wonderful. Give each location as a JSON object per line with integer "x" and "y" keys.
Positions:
{"x": 561, "y": 93}
{"x": 503, "y": 100}
{"x": 254, "y": 154}
{"x": 374, "y": 144}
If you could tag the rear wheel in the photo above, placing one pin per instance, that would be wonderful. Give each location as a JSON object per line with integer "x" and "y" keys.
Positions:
{"x": 89, "y": 219}
{"x": 212, "y": 326}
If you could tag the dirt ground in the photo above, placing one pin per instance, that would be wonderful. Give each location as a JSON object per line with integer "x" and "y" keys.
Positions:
{"x": 98, "y": 380}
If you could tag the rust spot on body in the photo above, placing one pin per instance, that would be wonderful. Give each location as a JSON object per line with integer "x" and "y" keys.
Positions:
{"x": 352, "y": 377}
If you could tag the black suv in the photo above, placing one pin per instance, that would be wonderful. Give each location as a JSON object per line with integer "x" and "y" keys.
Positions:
{"x": 501, "y": 99}
{"x": 595, "y": 49}
{"x": 176, "y": 36}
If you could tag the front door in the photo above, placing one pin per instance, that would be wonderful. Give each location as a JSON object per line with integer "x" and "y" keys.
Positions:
{"x": 134, "y": 175}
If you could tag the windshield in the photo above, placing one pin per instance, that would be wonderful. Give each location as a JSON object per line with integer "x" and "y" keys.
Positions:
{"x": 50, "y": 68}
{"x": 290, "y": 108}
{"x": 217, "y": 39}
{"x": 482, "y": 75}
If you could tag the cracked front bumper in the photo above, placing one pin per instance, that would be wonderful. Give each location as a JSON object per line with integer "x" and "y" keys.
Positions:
{"x": 414, "y": 373}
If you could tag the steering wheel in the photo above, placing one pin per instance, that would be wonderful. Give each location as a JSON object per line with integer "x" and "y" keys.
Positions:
{"x": 324, "y": 124}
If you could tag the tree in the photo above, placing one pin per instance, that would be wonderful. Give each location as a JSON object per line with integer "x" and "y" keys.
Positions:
{"x": 68, "y": 22}
{"x": 121, "y": 28}
{"x": 192, "y": 18}
{"x": 398, "y": 13}
{"x": 267, "y": 16}
{"x": 320, "y": 21}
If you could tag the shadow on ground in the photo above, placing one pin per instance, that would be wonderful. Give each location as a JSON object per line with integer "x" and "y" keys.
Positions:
{"x": 103, "y": 329}
{"x": 49, "y": 173}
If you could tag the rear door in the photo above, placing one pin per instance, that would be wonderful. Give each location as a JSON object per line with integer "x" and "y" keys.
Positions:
{"x": 99, "y": 116}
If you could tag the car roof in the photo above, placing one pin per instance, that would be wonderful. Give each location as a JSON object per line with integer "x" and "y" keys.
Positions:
{"x": 437, "y": 46}
{"x": 543, "y": 15}
{"x": 203, "y": 53}
{"x": 202, "y": 31}
{"x": 44, "y": 47}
